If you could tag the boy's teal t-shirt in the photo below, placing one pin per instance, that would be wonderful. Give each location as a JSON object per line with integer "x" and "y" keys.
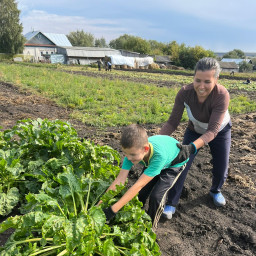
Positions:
{"x": 163, "y": 152}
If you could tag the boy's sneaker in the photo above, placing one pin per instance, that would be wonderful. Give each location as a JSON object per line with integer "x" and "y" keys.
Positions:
{"x": 218, "y": 198}
{"x": 168, "y": 211}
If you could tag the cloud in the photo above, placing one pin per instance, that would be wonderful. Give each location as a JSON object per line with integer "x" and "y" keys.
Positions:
{"x": 211, "y": 24}
{"x": 107, "y": 28}
{"x": 54, "y": 23}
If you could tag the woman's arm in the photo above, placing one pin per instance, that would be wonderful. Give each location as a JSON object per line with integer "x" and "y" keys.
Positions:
{"x": 170, "y": 126}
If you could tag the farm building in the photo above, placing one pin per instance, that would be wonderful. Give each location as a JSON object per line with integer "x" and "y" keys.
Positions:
{"x": 237, "y": 61}
{"x": 131, "y": 54}
{"x": 40, "y": 46}
{"x": 54, "y": 48}
{"x": 163, "y": 60}
{"x": 118, "y": 58}
{"x": 85, "y": 55}
{"x": 229, "y": 66}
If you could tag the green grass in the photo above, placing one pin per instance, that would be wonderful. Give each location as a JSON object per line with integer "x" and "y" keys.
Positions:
{"x": 96, "y": 101}
{"x": 102, "y": 102}
{"x": 241, "y": 104}
{"x": 238, "y": 84}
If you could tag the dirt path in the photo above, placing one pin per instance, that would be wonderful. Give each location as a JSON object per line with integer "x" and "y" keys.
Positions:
{"x": 198, "y": 227}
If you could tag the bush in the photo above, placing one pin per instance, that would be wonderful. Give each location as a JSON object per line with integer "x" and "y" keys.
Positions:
{"x": 245, "y": 67}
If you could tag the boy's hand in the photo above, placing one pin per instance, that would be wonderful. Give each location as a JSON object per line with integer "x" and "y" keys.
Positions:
{"x": 185, "y": 152}
{"x": 99, "y": 203}
{"x": 109, "y": 213}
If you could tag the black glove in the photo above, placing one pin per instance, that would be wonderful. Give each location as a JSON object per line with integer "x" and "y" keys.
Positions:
{"x": 185, "y": 152}
{"x": 109, "y": 213}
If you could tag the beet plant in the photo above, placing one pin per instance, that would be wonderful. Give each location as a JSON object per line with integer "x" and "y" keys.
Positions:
{"x": 59, "y": 179}
{"x": 66, "y": 221}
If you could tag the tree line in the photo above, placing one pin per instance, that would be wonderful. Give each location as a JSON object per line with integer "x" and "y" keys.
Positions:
{"x": 180, "y": 54}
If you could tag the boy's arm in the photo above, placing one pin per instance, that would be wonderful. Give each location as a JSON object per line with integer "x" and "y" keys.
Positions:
{"x": 121, "y": 178}
{"x": 131, "y": 192}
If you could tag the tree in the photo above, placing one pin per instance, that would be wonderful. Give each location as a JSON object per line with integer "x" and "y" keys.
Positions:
{"x": 235, "y": 54}
{"x": 120, "y": 42}
{"x": 254, "y": 63}
{"x": 101, "y": 42}
{"x": 156, "y": 48}
{"x": 189, "y": 56}
{"x": 11, "y": 38}
{"x": 131, "y": 43}
{"x": 245, "y": 67}
{"x": 81, "y": 38}
{"x": 137, "y": 44}
{"x": 173, "y": 50}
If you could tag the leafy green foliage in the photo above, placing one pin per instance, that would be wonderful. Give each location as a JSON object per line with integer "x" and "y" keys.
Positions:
{"x": 60, "y": 217}
{"x": 11, "y": 38}
{"x": 131, "y": 43}
{"x": 242, "y": 104}
{"x": 34, "y": 152}
{"x": 101, "y": 42}
{"x": 8, "y": 200}
{"x": 11, "y": 172}
{"x": 81, "y": 38}
{"x": 245, "y": 67}
{"x": 235, "y": 54}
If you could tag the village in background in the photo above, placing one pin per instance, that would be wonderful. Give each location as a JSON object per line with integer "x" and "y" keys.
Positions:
{"x": 56, "y": 48}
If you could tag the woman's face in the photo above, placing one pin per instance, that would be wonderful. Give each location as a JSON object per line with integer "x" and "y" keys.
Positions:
{"x": 204, "y": 82}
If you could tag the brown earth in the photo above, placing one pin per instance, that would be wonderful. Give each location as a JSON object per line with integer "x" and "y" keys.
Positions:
{"x": 198, "y": 227}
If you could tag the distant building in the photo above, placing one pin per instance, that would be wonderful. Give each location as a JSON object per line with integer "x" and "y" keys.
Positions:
{"x": 237, "y": 61}
{"x": 162, "y": 60}
{"x": 56, "y": 48}
{"x": 229, "y": 66}
{"x": 40, "y": 46}
{"x": 131, "y": 54}
{"x": 85, "y": 55}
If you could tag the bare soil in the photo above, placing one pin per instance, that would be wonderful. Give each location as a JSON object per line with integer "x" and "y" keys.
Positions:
{"x": 198, "y": 227}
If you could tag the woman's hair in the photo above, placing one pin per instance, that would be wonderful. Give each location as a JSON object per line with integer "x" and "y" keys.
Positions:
{"x": 133, "y": 135}
{"x": 208, "y": 63}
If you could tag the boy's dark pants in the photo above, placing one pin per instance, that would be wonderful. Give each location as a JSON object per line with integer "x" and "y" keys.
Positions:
{"x": 220, "y": 149}
{"x": 157, "y": 189}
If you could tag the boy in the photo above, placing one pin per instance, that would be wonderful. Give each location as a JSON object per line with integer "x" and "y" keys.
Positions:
{"x": 156, "y": 153}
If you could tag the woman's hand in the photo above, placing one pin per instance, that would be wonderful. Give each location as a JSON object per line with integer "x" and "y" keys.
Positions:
{"x": 185, "y": 152}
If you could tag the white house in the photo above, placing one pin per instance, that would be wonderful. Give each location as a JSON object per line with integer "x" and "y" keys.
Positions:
{"x": 39, "y": 46}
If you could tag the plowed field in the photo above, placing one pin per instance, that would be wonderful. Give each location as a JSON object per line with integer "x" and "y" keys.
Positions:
{"x": 198, "y": 227}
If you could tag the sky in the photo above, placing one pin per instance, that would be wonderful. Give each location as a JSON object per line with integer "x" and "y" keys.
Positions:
{"x": 217, "y": 25}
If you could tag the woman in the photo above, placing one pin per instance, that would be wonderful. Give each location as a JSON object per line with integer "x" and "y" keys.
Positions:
{"x": 206, "y": 103}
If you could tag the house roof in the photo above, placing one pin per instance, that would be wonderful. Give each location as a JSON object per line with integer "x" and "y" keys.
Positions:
{"x": 164, "y": 59}
{"x": 90, "y": 52}
{"x": 237, "y": 61}
{"x": 228, "y": 65}
{"x": 57, "y": 39}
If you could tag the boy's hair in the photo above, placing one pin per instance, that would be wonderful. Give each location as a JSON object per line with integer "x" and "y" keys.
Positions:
{"x": 208, "y": 63}
{"x": 134, "y": 135}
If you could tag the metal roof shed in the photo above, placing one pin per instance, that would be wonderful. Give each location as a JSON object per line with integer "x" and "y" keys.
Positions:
{"x": 40, "y": 38}
{"x": 237, "y": 61}
{"x": 86, "y": 55}
{"x": 228, "y": 66}
{"x": 87, "y": 52}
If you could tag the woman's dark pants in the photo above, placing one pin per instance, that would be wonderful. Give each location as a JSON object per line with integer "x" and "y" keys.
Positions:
{"x": 220, "y": 149}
